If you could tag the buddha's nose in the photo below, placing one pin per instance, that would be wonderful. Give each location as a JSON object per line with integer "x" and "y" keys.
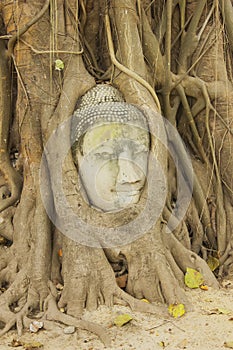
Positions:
{"x": 128, "y": 172}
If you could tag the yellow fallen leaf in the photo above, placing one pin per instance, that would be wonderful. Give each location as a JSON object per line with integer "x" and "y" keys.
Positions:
{"x": 193, "y": 278}
{"x": 162, "y": 344}
{"x": 228, "y": 344}
{"x": 213, "y": 263}
{"x": 224, "y": 311}
{"x": 145, "y": 300}
{"x": 176, "y": 310}
{"x": 204, "y": 287}
{"x": 121, "y": 320}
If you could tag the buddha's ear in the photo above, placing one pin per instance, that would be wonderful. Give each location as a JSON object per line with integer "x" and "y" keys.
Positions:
{"x": 77, "y": 146}
{"x": 76, "y": 153}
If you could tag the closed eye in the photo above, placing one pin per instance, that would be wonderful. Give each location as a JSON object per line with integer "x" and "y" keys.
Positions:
{"x": 104, "y": 155}
{"x": 141, "y": 151}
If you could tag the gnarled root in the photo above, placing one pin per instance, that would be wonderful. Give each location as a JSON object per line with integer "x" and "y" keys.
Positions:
{"x": 6, "y": 227}
{"x": 184, "y": 258}
{"x": 14, "y": 294}
{"x": 19, "y": 289}
{"x": 8, "y": 266}
{"x": 89, "y": 281}
{"x": 53, "y": 314}
{"x": 151, "y": 274}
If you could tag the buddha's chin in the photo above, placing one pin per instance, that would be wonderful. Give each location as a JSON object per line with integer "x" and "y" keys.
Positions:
{"x": 127, "y": 199}
{"x": 120, "y": 202}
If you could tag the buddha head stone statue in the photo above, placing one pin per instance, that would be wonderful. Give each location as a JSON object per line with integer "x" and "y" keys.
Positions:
{"x": 110, "y": 148}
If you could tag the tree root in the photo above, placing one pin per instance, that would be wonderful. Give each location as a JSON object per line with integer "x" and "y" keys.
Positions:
{"x": 53, "y": 314}
{"x": 13, "y": 294}
{"x": 8, "y": 266}
{"x": 23, "y": 30}
{"x": 9, "y": 324}
{"x": 185, "y": 258}
{"x": 6, "y": 227}
{"x": 12, "y": 178}
{"x": 126, "y": 70}
{"x": 139, "y": 305}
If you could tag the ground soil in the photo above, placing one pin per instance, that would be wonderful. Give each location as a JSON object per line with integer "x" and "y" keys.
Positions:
{"x": 204, "y": 327}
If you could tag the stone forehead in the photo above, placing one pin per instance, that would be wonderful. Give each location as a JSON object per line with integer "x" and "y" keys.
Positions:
{"x": 103, "y": 104}
{"x": 100, "y": 94}
{"x": 107, "y": 112}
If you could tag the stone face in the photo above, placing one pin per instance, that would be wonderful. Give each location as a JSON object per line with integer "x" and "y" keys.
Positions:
{"x": 113, "y": 165}
{"x": 111, "y": 148}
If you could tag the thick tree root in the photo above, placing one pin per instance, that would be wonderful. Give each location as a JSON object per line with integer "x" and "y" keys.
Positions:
{"x": 9, "y": 324}
{"x": 185, "y": 258}
{"x": 13, "y": 180}
{"x": 6, "y": 227}
{"x": 139, "y": 305}
{"x": 53, "y": 314}
{"x": 8, "y": 266}
{"x": 13, "y": 294}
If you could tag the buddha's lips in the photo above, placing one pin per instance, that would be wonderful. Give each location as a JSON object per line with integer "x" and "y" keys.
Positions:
{"x": 129, "y": 193}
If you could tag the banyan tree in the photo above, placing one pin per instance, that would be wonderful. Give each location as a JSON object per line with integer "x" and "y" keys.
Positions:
{"x": 168, "y": 65}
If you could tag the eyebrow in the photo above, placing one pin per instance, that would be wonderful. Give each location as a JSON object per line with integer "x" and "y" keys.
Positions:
{"x": 103, "y": 149}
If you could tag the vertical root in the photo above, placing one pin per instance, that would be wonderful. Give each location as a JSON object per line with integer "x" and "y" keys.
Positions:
{"x": 53, "y": 314}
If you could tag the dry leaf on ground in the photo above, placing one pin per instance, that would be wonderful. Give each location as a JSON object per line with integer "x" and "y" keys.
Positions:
{"x": 176, "y": 310}
{"x": 213, "y": 263}
{"x": 228, "y": 344}
{"x": 121, "y": 320}
{"x": 193, "y": 278}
